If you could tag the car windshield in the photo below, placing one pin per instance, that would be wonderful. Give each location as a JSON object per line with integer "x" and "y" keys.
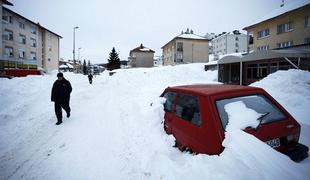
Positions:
{"x": 259, "y": 103}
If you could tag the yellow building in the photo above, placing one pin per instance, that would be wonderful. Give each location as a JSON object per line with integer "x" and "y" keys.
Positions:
{"x": 281, "y": 41}
{"x": 284, "y": 27}
{"x": 186, "y": 48}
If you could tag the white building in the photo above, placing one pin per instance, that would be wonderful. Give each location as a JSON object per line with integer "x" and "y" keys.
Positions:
{"x": 26, "y": 44}
{"x": 227, "y": 43}
{"x": 158, "y": 61}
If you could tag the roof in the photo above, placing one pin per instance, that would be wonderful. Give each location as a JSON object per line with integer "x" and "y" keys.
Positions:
{"x": 187, "y": 36}
{"x": 7, "y": 2}
{"x": 211, "y": 89}
{"x": 296, "y": 4}
{"x": 270, "y": 54}
{"x": 141, "y": 48}
{"x": 36, "y": 24}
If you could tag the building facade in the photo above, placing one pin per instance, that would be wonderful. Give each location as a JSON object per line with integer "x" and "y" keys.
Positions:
{"x": 227, "y": 43}
{"x": 280, "y": 42}
{"x": 186, "y": 48}
{"x": 141, "y": 57}
{"x": 25, "y": 44}
{"x": 284, "y": 27}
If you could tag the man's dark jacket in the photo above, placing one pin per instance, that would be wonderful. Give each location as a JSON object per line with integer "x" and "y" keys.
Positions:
{"x": 61, "y": 91}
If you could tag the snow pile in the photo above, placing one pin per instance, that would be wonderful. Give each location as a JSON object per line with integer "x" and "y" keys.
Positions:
{"x": 236, "y": 122}
{"x": 292, "y": 90}
{"x": 115, "y": 132}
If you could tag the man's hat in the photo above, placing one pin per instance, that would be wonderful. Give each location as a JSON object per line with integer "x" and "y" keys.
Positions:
{"x": 60, "y": 75}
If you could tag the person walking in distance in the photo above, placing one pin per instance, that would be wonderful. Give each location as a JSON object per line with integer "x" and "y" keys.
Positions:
{"x": 90, "y": 78}
{"x": 61, "y": 96}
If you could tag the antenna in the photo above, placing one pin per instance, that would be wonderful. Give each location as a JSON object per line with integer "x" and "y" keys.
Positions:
{"x": 282, "y": 3}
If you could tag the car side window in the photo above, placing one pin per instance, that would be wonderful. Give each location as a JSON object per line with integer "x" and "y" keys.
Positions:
{"x": 187, "y": 108}
{"x": 170, "y": 97}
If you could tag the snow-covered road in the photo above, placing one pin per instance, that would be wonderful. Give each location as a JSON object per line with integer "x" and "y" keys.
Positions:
{"x": 115, "y": 132}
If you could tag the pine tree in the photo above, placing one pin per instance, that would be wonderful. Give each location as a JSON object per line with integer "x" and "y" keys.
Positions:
{"x": 84, "y": 67}
{"x": 113, "y": 61}
{"x": 88, "y": 67}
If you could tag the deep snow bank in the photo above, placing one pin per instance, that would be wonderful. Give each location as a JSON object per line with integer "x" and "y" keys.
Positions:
{"x": 115, "y": 132}
{"x": 292, "y": 89}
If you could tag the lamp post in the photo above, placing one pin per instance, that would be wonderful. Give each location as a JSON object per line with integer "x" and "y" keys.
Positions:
{"x": 76, "y": 27}
{"x": 79, "y": 53}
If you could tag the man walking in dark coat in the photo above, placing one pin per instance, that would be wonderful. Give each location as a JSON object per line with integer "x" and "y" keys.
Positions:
{"x": 61, "y": 96}
{"x": 90, "y": 78}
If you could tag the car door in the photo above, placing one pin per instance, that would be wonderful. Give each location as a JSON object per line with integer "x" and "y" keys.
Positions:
{"x": 186, "y": 119}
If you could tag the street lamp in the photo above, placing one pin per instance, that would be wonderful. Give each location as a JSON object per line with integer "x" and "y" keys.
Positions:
{"x": 79, "y": 53}
{"x": 76, "y": 27}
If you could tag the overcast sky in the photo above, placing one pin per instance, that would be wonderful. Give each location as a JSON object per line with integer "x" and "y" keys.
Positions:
{"x": 125, "y": 24}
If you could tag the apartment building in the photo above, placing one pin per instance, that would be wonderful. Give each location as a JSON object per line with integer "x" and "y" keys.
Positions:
{"x": 227, "y": 43}
{"x": 26, "y": 44}
{"x": 141, "y": 57}
{"x": 280, "y": 42}
{"x": 186, "y": 48}
{"x": 286, "y": 26}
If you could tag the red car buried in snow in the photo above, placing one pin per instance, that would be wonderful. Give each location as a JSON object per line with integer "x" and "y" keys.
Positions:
{"x": 196, "y": 117}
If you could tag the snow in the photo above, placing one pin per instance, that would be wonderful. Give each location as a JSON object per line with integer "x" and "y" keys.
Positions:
{"x": 191, "y": 36}
{"x": 69, "y": 65}
{"x": 63, "y": 66}
{"x": 115, "y": 130}
{"x": 145, "y": 49}
{"x": 281, "y": 10}
{"x": 239, "y": 54}
{"x": 236, "y": 122}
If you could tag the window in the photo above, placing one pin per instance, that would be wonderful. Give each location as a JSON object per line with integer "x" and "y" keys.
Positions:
{"x": 7, "y": 19}
{"x": 237, "y": 45}
{"x": 8, "y": 51}
{"x": 33, "y": 30}
{"x": 237, "y": 39}
{"x": 170, "y": 97}
{"x": 22, "y": 53}
{"x": 307, "y": 21}
{"x": 257, "y": 71}
{"x": 49, "y": 48}
{"x": 21, "y": 25}
{"x": 282, "y": 28}
{"x": 49, "y": 59}
{"x": 285, "y": 44}
{"x": 179, "y": 57}
{"x": 33, "y": 55}
{"x": 187, "y": 108}
{"x": 258, "y": 103}
{"x": 307, "y": 40}
{"x": 180, "y": 46}
{"x": 264, "y": 33}
{"x": 7, "y": 35}
{"x": 263, "y": 48}
{"x": 22, "y": 39}
{"x": 33, "y": 42}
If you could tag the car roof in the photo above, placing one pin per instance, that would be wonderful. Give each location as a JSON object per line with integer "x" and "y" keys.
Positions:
{"x": 212, "y": 89}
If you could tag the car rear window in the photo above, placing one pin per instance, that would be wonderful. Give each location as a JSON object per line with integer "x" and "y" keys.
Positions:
{"x": 259, "y": 103}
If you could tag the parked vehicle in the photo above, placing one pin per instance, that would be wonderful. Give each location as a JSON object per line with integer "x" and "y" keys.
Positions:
{"x": 196, "y": 117}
